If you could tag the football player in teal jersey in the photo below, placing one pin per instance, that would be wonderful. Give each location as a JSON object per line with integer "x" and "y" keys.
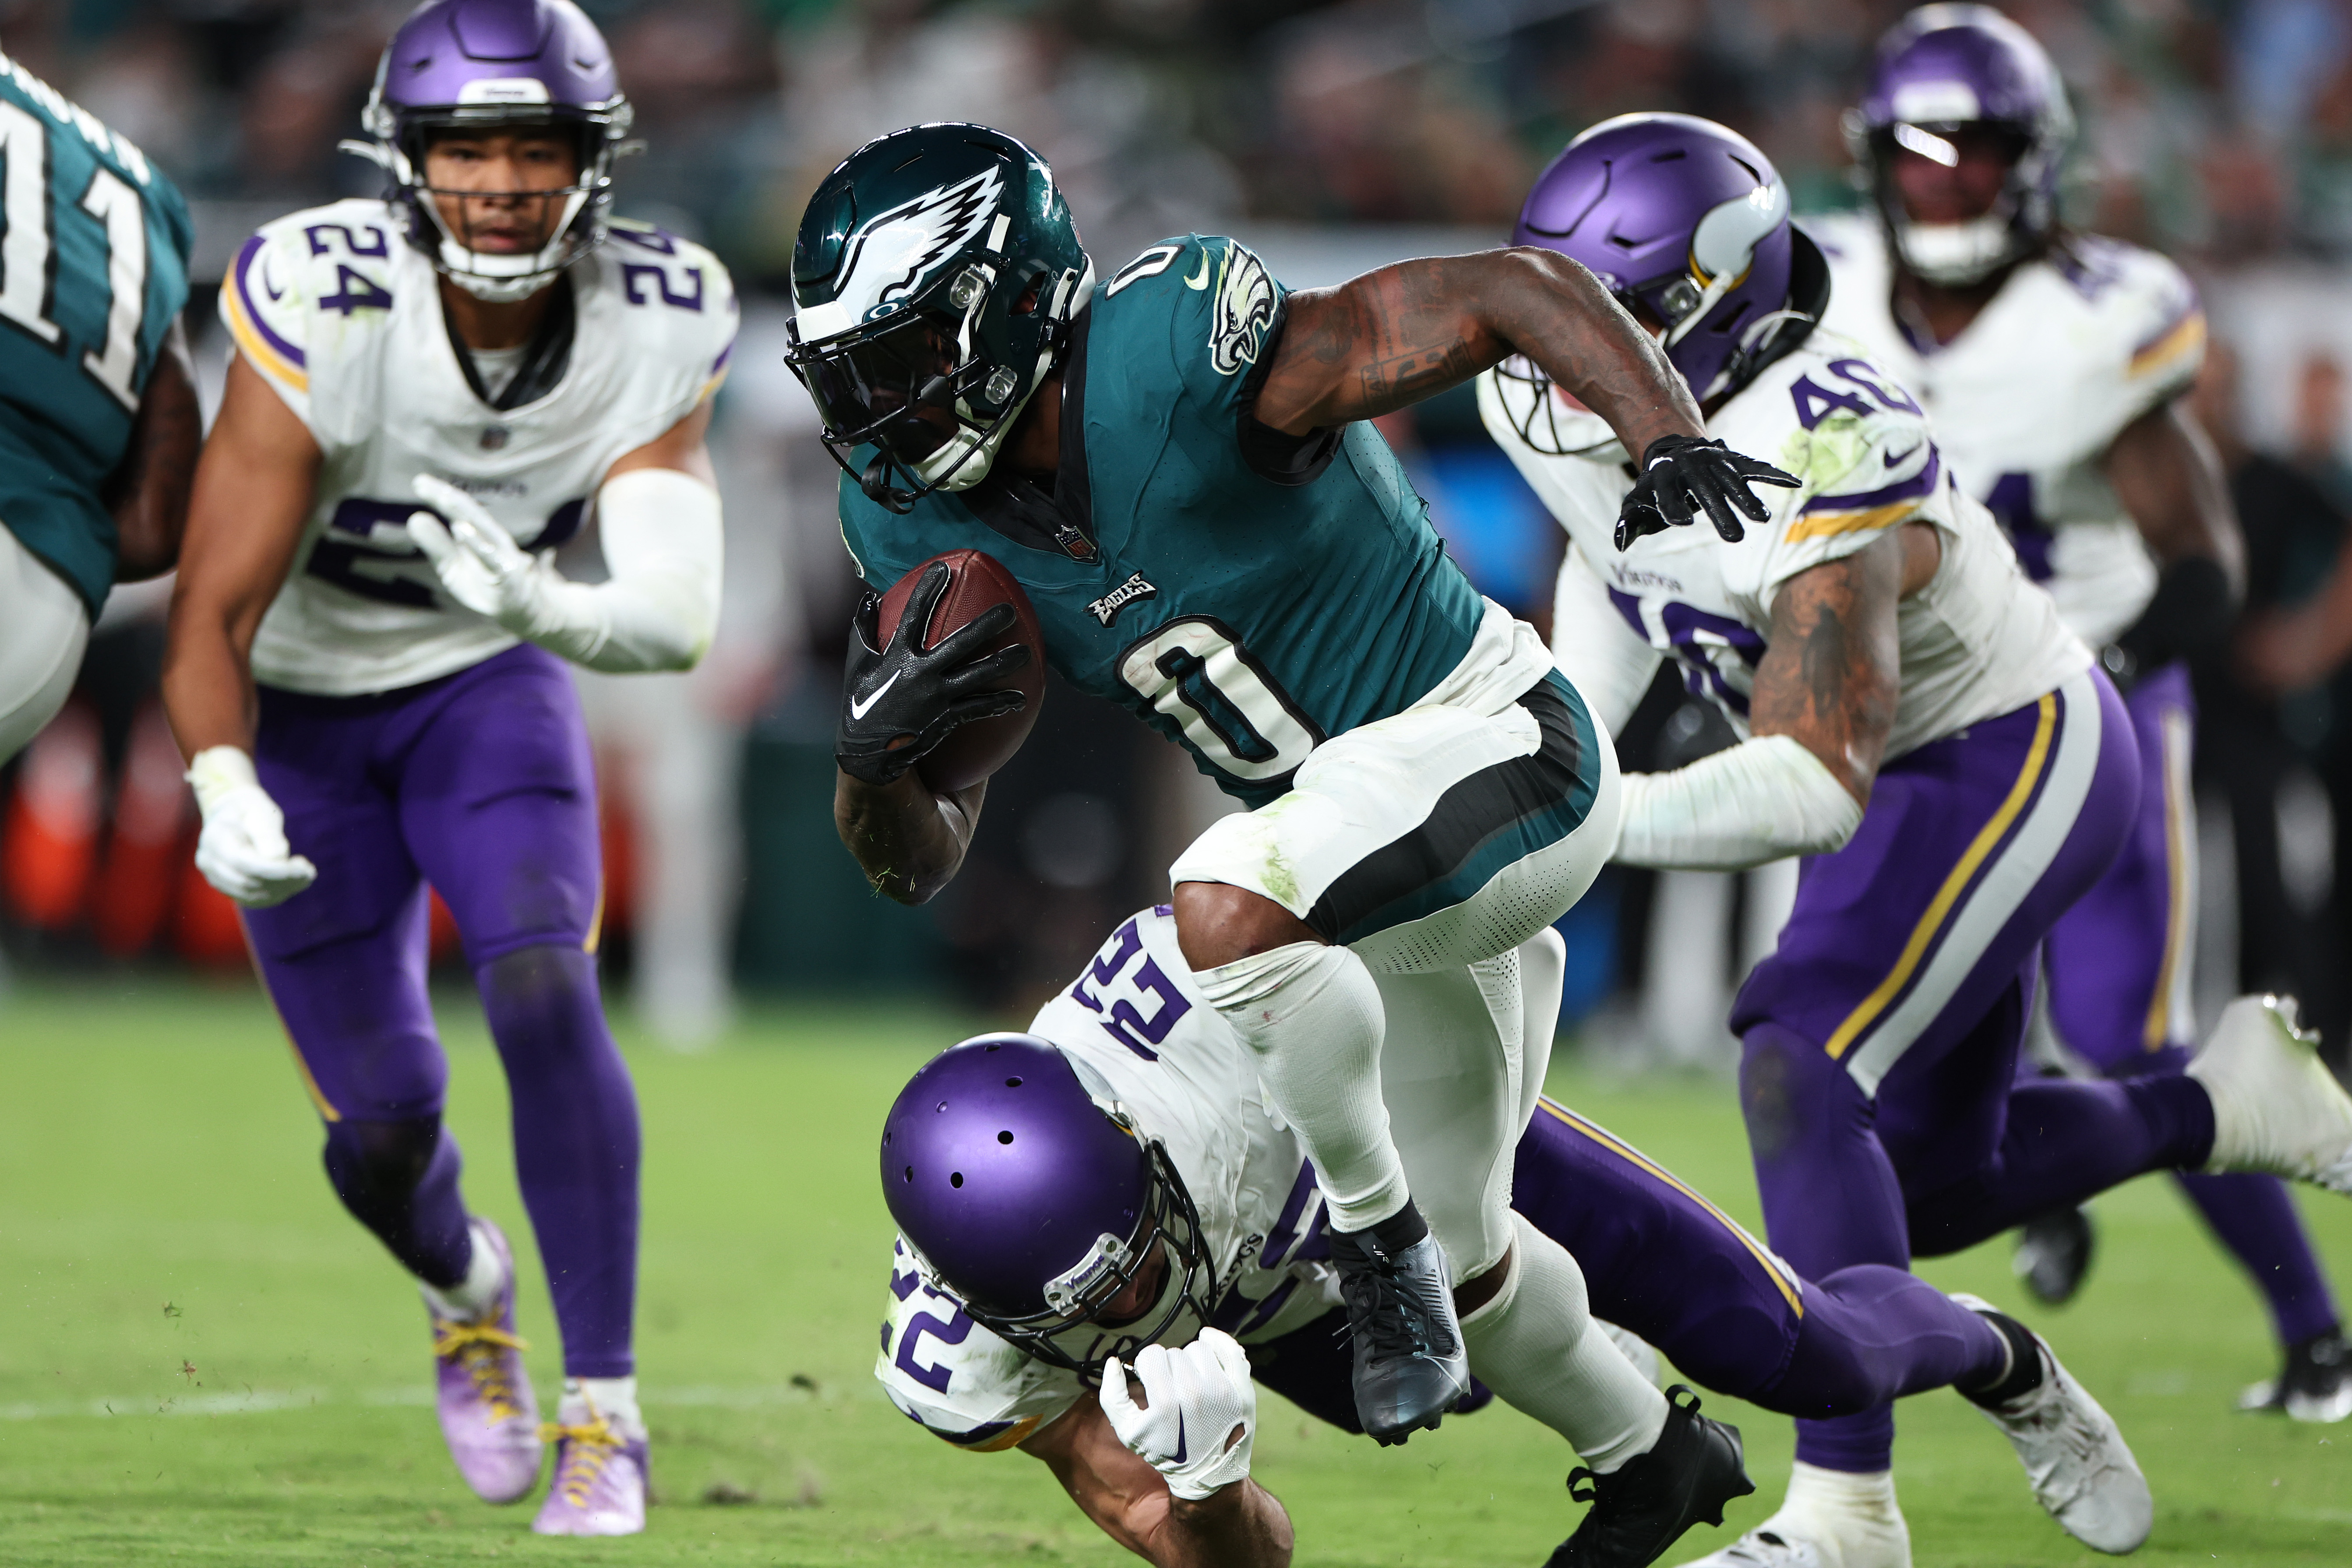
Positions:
{"x": 1173, "y": 464}
{"x": 99, "y": 424}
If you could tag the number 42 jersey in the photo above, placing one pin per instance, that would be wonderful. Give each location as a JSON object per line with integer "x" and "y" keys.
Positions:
{"x": 1977, "y": 641}
{"x": 341, "y": 316}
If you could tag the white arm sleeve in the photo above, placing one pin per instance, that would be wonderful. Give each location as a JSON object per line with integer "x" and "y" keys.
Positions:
{"x": 1757, "y": 801}
{"x": 1610, "y": 667}
{"x": 663, "y": 547}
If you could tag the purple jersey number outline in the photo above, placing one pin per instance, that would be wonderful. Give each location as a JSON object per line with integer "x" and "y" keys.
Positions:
{"x": 1122, "y": 1014}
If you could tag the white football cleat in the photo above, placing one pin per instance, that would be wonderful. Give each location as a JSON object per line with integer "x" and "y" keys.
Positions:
{"x": 2276, "y": 1108}
{"x": 1830, "y": 1519}
{"x": 2081, "y": 1470}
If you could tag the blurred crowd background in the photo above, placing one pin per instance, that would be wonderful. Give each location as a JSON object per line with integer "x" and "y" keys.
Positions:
{"x": 1333, "y": 137}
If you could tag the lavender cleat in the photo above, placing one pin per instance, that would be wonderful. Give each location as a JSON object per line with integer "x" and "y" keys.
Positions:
{"x": 600, "y": 1475}
{"x": 487, "y": 1412}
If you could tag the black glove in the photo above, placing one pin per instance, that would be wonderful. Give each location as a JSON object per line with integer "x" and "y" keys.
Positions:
{"x": 899, "y": 703}
{"x": 1679, "y": 470}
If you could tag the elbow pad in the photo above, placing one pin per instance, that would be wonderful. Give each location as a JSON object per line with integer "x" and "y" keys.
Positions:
{"x": 664, "y": 548}
{"x": 1759, "y": 801}
{"x": 2192, "y": 612}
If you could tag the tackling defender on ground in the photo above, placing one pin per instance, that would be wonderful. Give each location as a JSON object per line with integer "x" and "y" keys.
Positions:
{"x": 372, "y": 695}
{"x": 1919, "y": 722}
{"x": 1108, "y": 1193}
{"x": 2053, "y": 363}
{"x": 1173, "y": 465}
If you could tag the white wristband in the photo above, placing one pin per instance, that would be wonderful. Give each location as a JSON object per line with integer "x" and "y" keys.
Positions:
{"x": 1759, "y": 801}
{"x": 665, "y": 546}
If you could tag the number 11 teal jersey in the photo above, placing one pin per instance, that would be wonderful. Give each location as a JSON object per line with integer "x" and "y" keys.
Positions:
{"x": 1248, "y": 596}
{"x": 93, "y": 269}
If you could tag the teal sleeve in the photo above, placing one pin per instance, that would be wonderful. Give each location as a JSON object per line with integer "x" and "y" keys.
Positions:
{"x": 1221, "y": 304}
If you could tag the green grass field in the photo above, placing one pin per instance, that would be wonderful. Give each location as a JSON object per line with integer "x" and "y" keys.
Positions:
{"x": 202, "y": 1359}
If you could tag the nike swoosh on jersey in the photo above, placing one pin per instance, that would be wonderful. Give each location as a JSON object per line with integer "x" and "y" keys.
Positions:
{"x": 1180, "y": 1439}
{"x": 859, "y": 709}
{"x": 1200, "y": 279}
{"x": 1893, "y": 458}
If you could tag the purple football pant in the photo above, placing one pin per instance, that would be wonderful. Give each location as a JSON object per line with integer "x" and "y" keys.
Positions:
{"x": 2117, "y": 968}
{"x": 1663, "y": 1261}
{"x": 479, "y": 783}
{"x": 1879, "y": 1041}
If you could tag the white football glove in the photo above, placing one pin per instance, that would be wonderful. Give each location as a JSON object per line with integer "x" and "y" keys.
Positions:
{"x": 243, "y": 849}
{"x": 480, "y": 564}
{"x": 1198, "y": 1396}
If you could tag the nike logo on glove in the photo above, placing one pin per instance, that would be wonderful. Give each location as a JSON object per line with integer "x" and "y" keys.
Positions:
{"x": 1200, "y": 280}
{"x": 1180, "y": 1439}
{"x": 859, "y": 709}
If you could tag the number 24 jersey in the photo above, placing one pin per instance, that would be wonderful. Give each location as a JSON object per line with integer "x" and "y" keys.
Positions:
{"x": 341, "y": 316}
{"x": 1977, "y": 641}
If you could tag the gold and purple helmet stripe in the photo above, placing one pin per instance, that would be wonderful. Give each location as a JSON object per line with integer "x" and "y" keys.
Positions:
{"x": 255, "y": 341}
{"x": 1863, "y": 511}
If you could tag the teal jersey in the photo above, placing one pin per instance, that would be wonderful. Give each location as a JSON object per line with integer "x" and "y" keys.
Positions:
{"x": 94, "y": 270}
{"x": 1246, "y": 594}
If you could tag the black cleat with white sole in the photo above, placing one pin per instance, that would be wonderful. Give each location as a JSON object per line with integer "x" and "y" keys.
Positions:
{"x": 2054, "y": 1255}
{"x": 2316, "y": 1383}
{"x": 1409, "y": 1365}
{"x": 1643, "y": 1507}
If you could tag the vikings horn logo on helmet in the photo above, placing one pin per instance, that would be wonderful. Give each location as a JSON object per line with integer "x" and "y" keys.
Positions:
{"x": 888, "y": 258}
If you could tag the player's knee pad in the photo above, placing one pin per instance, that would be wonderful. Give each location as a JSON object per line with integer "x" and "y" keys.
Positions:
{"x": 377, "y": 1165}
{"x": 1785, "y": 1082}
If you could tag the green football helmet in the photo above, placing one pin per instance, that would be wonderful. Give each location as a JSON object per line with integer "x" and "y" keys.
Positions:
{"x": 934, "y": 280}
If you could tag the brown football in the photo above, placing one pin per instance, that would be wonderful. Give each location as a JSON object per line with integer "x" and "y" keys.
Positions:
{"x": 976, "y": 583}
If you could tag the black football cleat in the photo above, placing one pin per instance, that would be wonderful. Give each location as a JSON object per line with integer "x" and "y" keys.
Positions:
{"x": 1410, "y": 1367}
{"x": 2054, "y": 1255}
{"x": 1643, "y": 1507}
{"x": 2316, "y": 1383}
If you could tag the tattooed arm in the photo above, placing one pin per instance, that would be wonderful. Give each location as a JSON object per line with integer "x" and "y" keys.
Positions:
{"x": 1405, "y": 333}
{"x": 1819, "y": 714}
{"x": 1830, "y": 672}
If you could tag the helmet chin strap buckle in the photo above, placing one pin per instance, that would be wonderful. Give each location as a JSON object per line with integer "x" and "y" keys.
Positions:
{"x": 876, "y": 482}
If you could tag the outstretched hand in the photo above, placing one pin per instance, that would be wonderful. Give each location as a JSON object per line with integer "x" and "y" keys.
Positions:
{"x": 1683, "y": 474}
{"x": 899, "y": 702}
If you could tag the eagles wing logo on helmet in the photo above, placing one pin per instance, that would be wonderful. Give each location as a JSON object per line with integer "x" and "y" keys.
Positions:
{"x": 1241, "y": 311}
{"x": 888, "y": 257}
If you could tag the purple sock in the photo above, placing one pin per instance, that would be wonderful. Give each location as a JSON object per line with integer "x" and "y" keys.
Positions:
{"x": 1831, "y": 1202}
{"x": 1871, "y": 1334}
{"x": 400, "y": 1180}
{"x": 2063, "y": 1142}
{"x": 576, "y": 1145}
{"x": 2254, "y": 1217}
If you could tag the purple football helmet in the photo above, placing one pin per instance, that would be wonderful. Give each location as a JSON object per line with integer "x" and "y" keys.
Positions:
{"x": 498, "y": 65}
{"x": 1940, "y": 67}
{"x": 1682, "y": 220}
{"x": 1030, "y": 1196}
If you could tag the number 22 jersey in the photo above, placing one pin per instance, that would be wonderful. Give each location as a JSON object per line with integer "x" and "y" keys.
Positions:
{"x": 341, "y": 316}
{"x": 1977, "y": 641}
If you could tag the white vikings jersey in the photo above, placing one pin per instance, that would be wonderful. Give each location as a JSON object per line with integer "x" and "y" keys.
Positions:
{"x": 342, "y": 317}
{"x": 1134, "y": 1019}
{"x": 1978, "y": 640}
{"x": 2029, "y": 396}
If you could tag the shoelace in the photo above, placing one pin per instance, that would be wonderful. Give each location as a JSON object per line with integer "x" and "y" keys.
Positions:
{"x": 588, "y": 1448}
{"x": 476, "y": 1347}
{"x": 1379, "y": 1303}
